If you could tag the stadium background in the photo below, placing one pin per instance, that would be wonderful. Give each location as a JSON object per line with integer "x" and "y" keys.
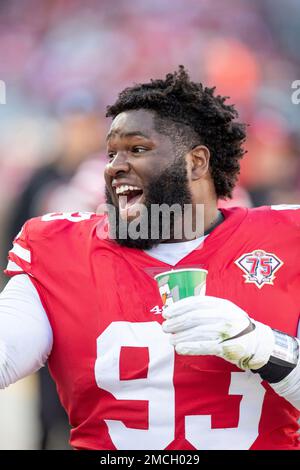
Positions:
{"x": 63, "y": 61}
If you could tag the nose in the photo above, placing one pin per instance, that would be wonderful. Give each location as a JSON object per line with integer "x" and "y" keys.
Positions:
{"x": 119, "y": 164}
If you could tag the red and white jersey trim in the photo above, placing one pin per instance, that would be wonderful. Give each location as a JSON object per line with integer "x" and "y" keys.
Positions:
{"x": 21, "y": 252}
{"x": 13, "y": 267}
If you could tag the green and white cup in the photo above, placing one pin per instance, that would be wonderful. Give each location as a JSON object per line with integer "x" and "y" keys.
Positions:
{"x": 181, "y": 283}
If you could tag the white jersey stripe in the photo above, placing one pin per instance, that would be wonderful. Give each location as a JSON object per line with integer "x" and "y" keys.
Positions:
{"x": 13, "y": 267}
{"x": 285, "y": 207}
{"x": 21, "y": 252}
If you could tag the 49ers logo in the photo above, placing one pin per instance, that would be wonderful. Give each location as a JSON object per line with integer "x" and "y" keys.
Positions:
{"x": 259, "y": 267}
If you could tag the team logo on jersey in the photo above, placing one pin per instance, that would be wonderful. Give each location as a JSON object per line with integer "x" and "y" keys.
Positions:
{"x": 259, "y": 267}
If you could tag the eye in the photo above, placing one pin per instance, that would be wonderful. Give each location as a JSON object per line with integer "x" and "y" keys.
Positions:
{"x": 111, "y": 155}
{"x": 139, "y": 149}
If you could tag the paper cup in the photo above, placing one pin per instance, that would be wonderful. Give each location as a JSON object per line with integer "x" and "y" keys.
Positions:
{"x": 181, "y": 283}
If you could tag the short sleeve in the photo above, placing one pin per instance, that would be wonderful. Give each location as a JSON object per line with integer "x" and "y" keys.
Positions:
{"x": 20, "y": 256}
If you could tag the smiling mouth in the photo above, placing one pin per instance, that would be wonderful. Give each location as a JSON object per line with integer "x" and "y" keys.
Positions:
{"x": 129, "y": 198}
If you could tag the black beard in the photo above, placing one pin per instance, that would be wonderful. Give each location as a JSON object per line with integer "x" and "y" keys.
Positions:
{"x": 171, "y": 187}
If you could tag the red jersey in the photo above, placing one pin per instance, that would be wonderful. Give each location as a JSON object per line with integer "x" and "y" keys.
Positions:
{"x": 119, "y": 379}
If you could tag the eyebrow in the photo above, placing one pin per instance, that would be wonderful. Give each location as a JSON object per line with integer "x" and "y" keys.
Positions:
{"x": 126, "y": 134}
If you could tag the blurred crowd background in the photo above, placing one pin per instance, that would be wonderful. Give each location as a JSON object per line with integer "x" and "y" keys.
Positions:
{"x": 64, "y": 61}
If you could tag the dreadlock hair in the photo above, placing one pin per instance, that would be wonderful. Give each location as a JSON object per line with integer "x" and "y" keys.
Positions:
{"x": 197, "y": 115}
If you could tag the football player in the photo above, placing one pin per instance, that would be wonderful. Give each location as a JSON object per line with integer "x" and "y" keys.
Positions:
{"x": 219, "y": 371}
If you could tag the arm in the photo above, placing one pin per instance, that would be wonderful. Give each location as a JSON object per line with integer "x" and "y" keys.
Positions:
{"x": 213, "y": 326}
{"x": 25, "y": 332}
{"x": 289, "y": 387}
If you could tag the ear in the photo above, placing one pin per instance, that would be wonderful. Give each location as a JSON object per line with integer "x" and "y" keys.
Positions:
{"x": 198, "y": 159}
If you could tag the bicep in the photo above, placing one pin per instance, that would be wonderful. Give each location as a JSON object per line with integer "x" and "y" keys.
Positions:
{"x": 25, "y": 332}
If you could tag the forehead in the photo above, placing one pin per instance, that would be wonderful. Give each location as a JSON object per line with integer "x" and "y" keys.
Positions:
{"x": 135, "y": 121}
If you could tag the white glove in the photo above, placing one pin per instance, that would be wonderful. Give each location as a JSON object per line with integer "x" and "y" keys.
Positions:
{"x": 204, "y": 325}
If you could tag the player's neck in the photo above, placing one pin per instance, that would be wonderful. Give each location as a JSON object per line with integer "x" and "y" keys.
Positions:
{"x": 211, "y": 218}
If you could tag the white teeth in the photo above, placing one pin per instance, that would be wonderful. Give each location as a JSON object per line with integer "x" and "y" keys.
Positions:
{"x": 122, "y": 189}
